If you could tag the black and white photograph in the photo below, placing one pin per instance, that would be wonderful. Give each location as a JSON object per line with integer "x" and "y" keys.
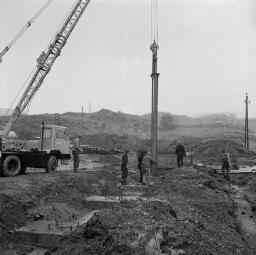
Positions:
{"x": 127, "y": 127}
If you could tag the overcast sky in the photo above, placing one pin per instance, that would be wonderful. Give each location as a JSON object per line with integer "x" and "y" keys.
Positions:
{"x": 207, "y": 56}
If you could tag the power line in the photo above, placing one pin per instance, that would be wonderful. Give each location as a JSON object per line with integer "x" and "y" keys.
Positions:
{"x": 154, "y": 20}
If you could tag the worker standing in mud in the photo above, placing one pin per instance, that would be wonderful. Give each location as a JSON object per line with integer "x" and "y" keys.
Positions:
{"x": 180, "y": 153}
{"x": 75, "y": 152}
{"x": 147, "y": 164}
{"x": 225, "y": 168}
{"x": 124, "y": 168}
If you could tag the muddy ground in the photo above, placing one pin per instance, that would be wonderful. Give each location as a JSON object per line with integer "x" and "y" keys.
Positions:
{"x": 195, "y": 211}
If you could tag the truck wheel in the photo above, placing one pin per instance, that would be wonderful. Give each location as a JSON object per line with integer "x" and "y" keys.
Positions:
{"x": 52, "y": 164}
{"x": 11, "y": 166}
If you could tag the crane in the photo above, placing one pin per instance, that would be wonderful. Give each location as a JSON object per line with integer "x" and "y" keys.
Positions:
{"x": 13, "y": 161}
{"x": 45, "y": 62}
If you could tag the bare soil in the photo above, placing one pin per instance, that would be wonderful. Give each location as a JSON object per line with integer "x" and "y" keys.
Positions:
{"x": 195, "y": 212}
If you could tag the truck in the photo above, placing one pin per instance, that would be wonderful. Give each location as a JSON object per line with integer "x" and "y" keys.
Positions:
{"x": 53, "y": 143}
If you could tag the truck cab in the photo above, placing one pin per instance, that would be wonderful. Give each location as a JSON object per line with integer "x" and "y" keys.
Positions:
{"x": 54, "y": 138}
{"x": 51, "y": 137}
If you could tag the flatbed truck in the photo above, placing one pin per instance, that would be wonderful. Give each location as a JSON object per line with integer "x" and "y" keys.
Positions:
{"x": 52, "y": 146}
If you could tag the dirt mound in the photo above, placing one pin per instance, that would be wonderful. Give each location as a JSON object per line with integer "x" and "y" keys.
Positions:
{"x": 208, "y": 149}
{"x": 212, "y": 149}
{"x": 12, "y": 210}
{"x": 190, "y": 212}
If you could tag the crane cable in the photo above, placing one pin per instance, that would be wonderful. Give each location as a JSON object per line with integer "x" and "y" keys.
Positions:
{"x": 154, "y": 21}
{"x": 14, "y": 100}
{"x": 22, "y": 31}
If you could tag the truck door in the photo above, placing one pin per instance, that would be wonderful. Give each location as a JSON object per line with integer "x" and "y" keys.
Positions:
{"x": 47, "y": 139}
{"x": 62, "y": 140}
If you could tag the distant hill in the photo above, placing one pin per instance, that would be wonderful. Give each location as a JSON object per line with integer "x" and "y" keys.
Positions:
{"x": 103, "y": 121}
{"x": 118, "y": 123}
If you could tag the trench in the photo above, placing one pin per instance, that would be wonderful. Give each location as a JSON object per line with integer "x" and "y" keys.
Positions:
{"x": 244, "y": 215}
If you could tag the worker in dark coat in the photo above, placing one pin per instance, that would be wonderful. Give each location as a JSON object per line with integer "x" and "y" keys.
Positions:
{"x": 225, "y": 168}
{"x": 124, "y": 168}
{"x": 180, "y": 152}
{"x": 75, "y": 152}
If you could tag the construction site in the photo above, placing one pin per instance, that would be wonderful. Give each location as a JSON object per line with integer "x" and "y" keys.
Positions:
{"x": 108, "y": 182}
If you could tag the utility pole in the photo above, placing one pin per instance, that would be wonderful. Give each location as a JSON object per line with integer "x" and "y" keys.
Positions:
{"x": 246, "y": 126}
{"x": 57, "y": 119}
{"x": 154, "y": 48}
{"x": 90, "y": 107}
{"x": 82, "y": 115}
{"x": 1, "y": 159}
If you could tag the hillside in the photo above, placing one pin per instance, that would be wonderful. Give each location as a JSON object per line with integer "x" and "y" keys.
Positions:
{"x": 103, "y": 121}
{"x": 118, "y": 125}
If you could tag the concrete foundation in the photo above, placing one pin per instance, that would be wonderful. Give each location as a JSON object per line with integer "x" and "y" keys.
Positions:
{"x": 49, "y": 233}
{"x": 100, "y": 202}
{"x": 38, "y": 252}
{"x": 109, "y": 202}
{"x": 133, "y": 188}
{"x": 242, "y": 170}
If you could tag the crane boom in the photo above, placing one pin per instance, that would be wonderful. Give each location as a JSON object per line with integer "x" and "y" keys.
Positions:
{"x": 45, "y": 62}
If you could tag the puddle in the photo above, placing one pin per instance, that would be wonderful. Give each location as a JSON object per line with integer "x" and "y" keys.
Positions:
{"x": 86, "y": 163}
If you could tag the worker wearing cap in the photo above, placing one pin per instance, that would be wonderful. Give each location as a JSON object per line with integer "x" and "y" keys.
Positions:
{"x": 75, "y": 152}
{"x": 124, "y": 167}
{"x": 180, "y": 152}
{"x": 147, "y": 164}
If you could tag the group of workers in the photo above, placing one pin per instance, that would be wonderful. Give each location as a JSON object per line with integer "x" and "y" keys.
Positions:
{"x": 145, "y": 162}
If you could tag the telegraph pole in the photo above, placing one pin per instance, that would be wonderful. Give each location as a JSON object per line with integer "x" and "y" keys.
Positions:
{"x": 154, "y": 48}
{"x": 1, "y": 159}
{"x": 246, "y": 126}
{"x": 82, "y": 115}
{"x": 90, "y": 107}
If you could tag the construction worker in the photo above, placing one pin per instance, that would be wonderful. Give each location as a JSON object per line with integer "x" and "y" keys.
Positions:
{"x": 180, "y": 152}
{"x": 75, "y": 152}
{"x": 147, "y": 163}
{"x": 124, "y": 168}
{"x": 225, "y": 168}
{"x": 141, "y": 154}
